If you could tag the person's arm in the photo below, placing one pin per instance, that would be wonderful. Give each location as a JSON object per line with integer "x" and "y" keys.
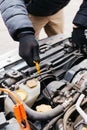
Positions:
{"x": 15, "y": 16}
{"x": 81, "y": 16}
{"x": 80, "y": 24}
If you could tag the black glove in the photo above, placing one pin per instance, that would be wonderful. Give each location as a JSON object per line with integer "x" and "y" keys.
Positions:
{"x": 79, "y": 37}
{"x": 29, "y": 49}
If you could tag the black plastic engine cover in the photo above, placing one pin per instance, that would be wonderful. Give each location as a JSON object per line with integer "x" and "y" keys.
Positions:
{"x": 57, "y": 56}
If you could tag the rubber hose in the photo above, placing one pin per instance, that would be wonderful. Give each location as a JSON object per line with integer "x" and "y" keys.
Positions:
{"x": 56, "y": 118}
{"x": 34, "y": 115}
{"x": 46, "y": 115}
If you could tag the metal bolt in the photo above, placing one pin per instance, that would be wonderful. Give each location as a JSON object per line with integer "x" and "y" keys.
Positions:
{"x": 14, "y": 73}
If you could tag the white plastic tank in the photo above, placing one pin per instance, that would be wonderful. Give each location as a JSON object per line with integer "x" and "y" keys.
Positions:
{"x": 29, "y": 92}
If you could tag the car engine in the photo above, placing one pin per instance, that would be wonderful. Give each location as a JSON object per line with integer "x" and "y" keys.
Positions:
{"x": 55, "y": 99}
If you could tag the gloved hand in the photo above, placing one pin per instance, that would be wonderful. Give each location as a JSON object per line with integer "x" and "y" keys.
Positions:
{"x": 78, "y": 37}
{"x": 29, "y": 49}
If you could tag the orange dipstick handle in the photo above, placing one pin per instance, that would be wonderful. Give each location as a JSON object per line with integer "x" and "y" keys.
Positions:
{"x": 37, "y": 67}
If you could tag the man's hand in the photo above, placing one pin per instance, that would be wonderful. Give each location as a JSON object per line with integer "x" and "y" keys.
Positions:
{"x": 29, "y": 49}
{"x": 78, "y": 36}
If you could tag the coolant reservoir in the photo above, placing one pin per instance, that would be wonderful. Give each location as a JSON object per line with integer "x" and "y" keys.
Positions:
{"x": 29, "y": 92}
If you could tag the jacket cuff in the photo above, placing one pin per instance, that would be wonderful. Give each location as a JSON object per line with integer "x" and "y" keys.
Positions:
{"x": 80, "y": 20}
{"x": 22, "y": 32}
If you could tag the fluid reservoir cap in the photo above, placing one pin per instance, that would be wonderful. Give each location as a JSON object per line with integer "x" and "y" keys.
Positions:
{"x": 43, "y": 108}
{"x": 32, "y": 83}
{"x": 22, "y": 94}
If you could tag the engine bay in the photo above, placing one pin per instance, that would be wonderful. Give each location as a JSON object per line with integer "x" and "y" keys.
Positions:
{"x": 55, "y": 99}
